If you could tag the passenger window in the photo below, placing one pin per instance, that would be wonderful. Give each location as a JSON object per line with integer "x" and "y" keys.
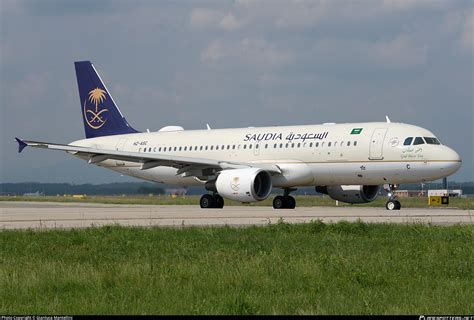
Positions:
{"x": 205, "y": 148}
{"x": 275, "y": 145}
{"x": 348, "y": 143}
{"x": 159, "y": 149}
{"x": 245, "y": 146}
{"x": 179, "y": 148}
{"x": 266, "y": 145}
{"x": 217, "y": 147}
{"x": 408, "y": 141}
{"x": 310, "y": 144}
{"x": 418, "y": 140}
{"x": 355, "y": 143}
{"x": 233, "y": 146}
{"x": 175, "y": 148}
{"x": 329, "y": 143}
{"x": 200, "y": 148}
{"x": 164, "y": 149}
{"x": 281, "y": 145}
{"x": 185, "y": 148}
{"x": 228, "y": 146}
{"x": 256, "y": 146}
{"x": 250, "y": 146}
{"x": 299, "y": 144}
{"x": 212, "y": 147}
{"x": 316, "y": 144}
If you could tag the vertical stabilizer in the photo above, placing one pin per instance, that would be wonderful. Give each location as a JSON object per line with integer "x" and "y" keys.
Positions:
{"x": 100, "y": 114}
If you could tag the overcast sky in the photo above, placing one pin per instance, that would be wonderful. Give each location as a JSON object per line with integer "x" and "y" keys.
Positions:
{"x": 231, "y": 64}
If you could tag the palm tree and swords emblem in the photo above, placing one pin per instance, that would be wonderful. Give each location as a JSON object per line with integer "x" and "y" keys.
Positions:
{"x": 95, "y": 119}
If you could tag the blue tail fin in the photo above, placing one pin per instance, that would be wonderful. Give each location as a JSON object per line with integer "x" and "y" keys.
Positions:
{"x": 100, "y": 113}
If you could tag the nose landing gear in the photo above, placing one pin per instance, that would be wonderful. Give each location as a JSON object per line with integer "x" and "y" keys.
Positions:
{"x": 393, "y": 203}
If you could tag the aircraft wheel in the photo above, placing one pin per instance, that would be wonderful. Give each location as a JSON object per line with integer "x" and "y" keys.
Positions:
{"x": 397, "y": 205}
{"x": 207, "y": 201}
{"x": 290, "y": 202}
{"x": 219, "y": 201}
{"x": 392, "y": 205}
{"x": 279, "y": 202}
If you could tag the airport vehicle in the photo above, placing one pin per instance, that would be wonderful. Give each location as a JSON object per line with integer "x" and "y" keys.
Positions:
{"x": 349, "y": 162}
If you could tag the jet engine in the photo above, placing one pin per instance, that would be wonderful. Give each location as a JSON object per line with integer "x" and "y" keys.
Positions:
{"x": 244, "y": 185}
{"x": 350, "y": 193}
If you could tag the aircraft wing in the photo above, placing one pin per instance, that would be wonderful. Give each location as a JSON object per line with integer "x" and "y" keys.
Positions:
{"x": 186, "y": 165}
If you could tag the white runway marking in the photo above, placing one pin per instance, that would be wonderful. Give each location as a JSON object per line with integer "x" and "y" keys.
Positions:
{"x": 45, "y": 215}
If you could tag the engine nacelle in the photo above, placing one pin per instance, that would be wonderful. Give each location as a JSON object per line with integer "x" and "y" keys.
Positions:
{"x": 244, "y": 185}
{"x": 350, "y": 193}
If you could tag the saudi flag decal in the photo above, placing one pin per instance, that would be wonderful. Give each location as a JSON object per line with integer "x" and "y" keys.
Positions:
{"x": 356, "y": 131}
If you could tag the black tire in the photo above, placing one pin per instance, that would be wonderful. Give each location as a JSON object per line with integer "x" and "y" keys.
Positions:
{"x": 290, "y": 202}
{"x": 391, "y": 205}
{"x": 207, "y": 201}
{"x": 398, "y": 205}
{"x": 219, "y": 201}
{"x": 279, "y": 202}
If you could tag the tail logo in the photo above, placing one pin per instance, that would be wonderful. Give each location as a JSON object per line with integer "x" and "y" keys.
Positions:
{"x": 95, "y": 117}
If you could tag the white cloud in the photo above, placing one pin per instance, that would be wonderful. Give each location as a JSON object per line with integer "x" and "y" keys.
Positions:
{"x": 467, "y": 35}
{"x": 400, "y": 52}
{"x": 414, "y": 4}
{"x": 403, "y": 51}
{"x": 202, "y": 18}
{"x": 29, "y": 90}
{"x": 229, "y": 22}
{"x": 255, "y": 52}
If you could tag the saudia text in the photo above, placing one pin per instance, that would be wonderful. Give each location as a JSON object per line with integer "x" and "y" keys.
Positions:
{"x": 290, "y": 137}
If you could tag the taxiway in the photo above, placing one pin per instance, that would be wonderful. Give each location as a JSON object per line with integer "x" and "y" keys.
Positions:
{"x": 46, "y": 215}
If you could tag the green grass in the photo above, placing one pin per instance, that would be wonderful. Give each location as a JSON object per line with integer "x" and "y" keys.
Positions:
{"x": 312, "y": 268}
{"x": 301, "y": 201}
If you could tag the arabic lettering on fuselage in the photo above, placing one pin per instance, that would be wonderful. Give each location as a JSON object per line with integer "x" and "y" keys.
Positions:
{"x": 272, "y": 136}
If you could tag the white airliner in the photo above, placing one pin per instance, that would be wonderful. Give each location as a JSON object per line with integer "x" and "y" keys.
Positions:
{"x": 349, "y": 162}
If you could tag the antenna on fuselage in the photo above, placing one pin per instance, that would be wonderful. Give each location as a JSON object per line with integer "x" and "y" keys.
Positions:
{"x": 207, "y": 125}
{"x": 388, "y": 120}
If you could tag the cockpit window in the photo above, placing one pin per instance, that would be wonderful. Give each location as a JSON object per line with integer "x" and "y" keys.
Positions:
{"x": 408, "y": 141}
{"x": 431, "y": 140}
{"x": 418, "y": 140}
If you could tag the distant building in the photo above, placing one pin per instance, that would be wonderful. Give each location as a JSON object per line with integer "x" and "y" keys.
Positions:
{"x": 34, "y": 194}
{"x": 445, "y": 192}
{"x": 176, "y": 191}
{"x": 410, "y": 193}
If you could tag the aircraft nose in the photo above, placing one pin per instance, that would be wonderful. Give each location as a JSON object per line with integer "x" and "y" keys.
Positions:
{"x": 454, "y": 160}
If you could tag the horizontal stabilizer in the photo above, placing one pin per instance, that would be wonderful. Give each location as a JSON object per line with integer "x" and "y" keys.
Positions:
{"x": 21, "y": 144}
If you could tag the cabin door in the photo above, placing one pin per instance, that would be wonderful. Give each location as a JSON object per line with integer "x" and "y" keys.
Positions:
{"x": 376, "y": 144}
{"x": 120, "y": 147}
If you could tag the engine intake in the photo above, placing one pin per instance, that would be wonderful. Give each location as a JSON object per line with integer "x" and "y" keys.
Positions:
{"x": 244, "y": 185}
{"x": 350, "y": 193}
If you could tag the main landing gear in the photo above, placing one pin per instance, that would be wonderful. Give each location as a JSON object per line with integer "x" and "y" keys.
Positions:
{"x": 212, "y": 201}
{"x": 286, "y": 201}
{"x": 393, "y": 203}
